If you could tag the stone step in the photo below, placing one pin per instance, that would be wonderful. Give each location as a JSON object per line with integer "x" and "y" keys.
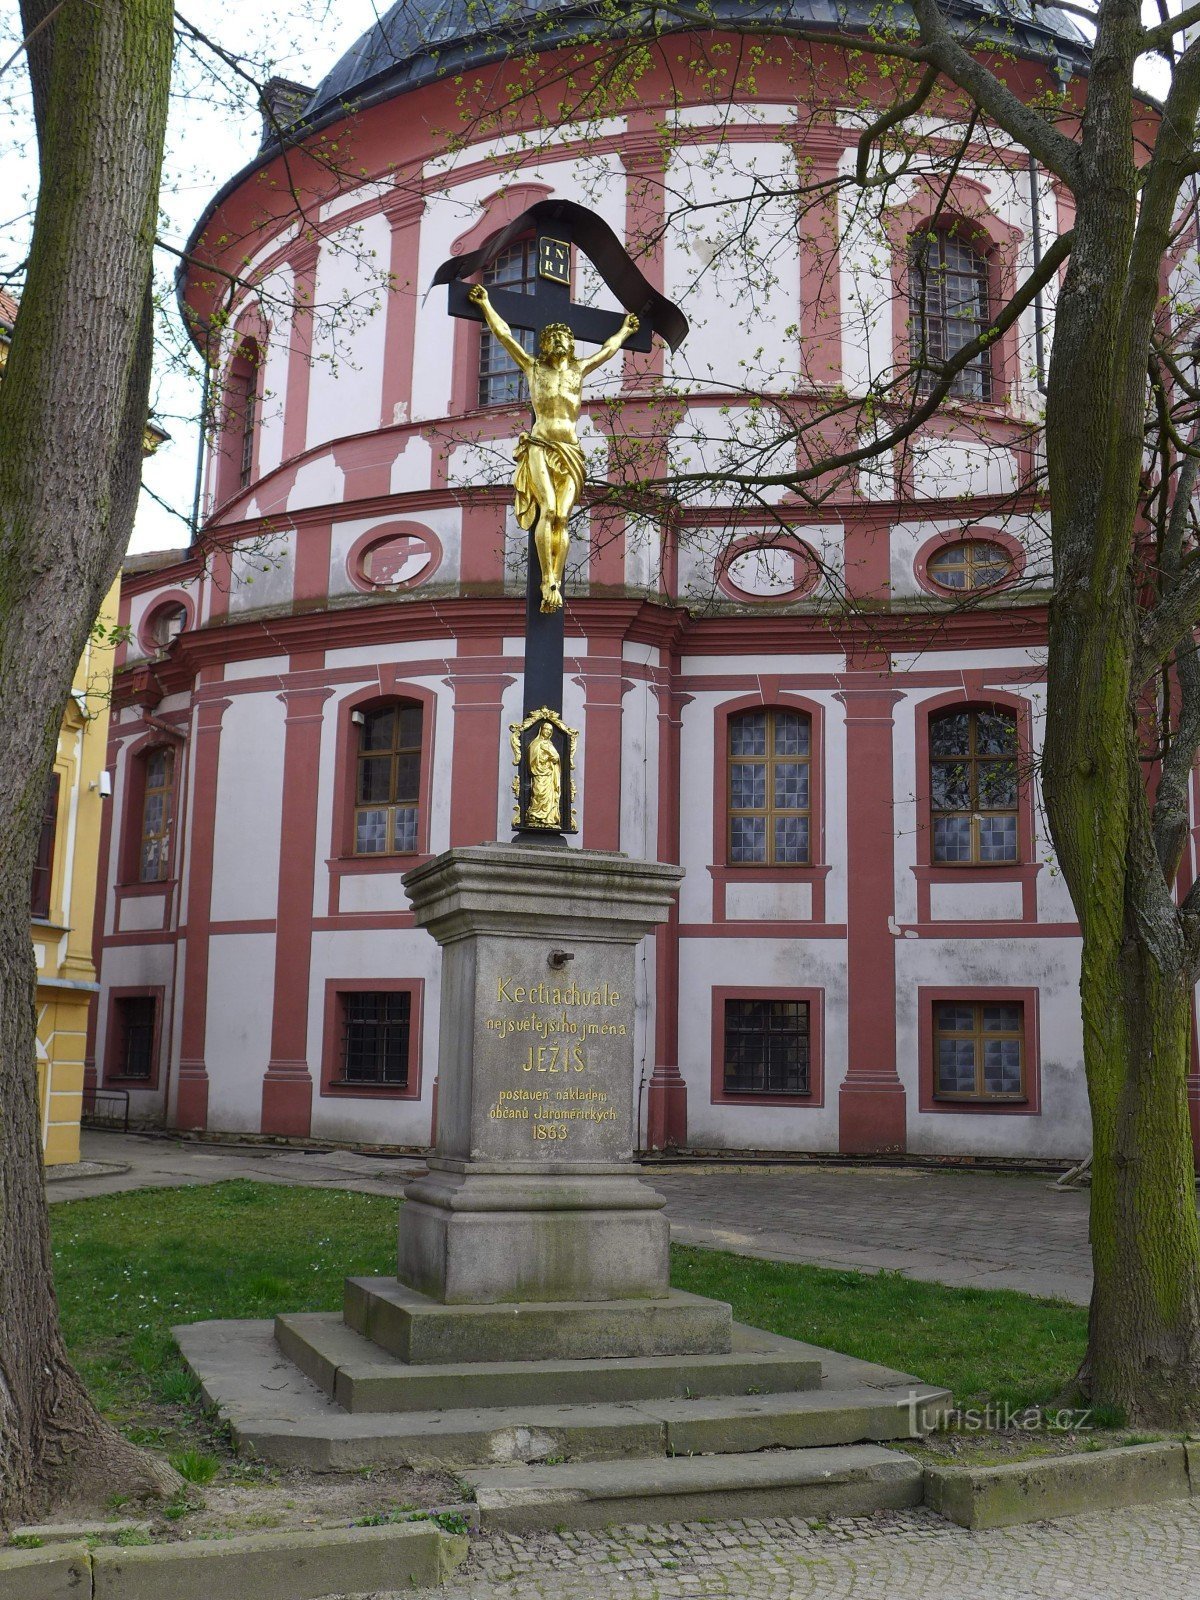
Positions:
{"x": 531, "y": 1434}
{"x": 360, "y": 1377}
{"x": 847, "y": 1480}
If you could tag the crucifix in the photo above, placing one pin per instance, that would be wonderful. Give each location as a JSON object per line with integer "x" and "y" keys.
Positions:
{"x": 550, "y": 466}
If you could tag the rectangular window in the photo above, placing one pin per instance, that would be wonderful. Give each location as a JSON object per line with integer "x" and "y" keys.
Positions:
{"x": 376, "y": 1025}
{"x": 134, "y": 1018}
{"x": 767, "y": 1047}
{"x": 979, "y": 1050}
{"x": 770, "y": 799}
{"x": 41, "y": 893}
{"x": 388, "y": 781}
{"x": 501, "y": 382}
{"x": 157, "y": 804}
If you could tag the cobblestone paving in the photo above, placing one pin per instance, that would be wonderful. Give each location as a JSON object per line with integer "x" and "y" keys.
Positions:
{"x": 935, "y": 1225}
{"x": 1148, "y": 1551}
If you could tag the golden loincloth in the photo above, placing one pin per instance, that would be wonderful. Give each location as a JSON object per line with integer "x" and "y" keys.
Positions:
{"x": 565, "y": 460}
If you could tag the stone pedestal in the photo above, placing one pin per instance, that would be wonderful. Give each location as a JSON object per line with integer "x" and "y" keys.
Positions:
{"x": 532, "y": 1194}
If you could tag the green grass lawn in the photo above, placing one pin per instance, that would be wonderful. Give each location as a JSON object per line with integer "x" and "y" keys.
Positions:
{"x": 129, "y": 1267}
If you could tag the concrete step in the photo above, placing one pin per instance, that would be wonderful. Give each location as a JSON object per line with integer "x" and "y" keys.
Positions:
{"x": 281, "y": 1416}
{"x": 531, "y": 1434}
{"x": 361, "y": 1377}
{"x": 848, "y": 1480}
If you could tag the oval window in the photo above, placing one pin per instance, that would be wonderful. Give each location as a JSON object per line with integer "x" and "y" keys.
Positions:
{"x": 782, "y": 570}
{"x": 970, "y": 564}
{"x": 397, "y": 559}
{"x": 165, "y": 625}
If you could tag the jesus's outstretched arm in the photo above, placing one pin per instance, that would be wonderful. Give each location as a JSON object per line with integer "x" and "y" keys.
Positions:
{"x": 478, "y": 295}
{"x": 609, "y": 349}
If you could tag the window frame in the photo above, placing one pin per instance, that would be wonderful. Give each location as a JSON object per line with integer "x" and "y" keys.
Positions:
{"x": 394, "y": 753}
{"x": 333, "y": 1086}
{"x": 771, "y": 811}
{"x": 957, "y": 232}
{"x": 144, "y": 791}
{"x": 815, "y": 1095}
{"x": 239, "y": 407}
{"x": 343, "y": 861}
{"x": 168, "y": 600}
{"x": 527, "y": 243}
{"x": 974, "y": 811}
{"x": 930, "y": 1099}
{"x": 47, "y": 847}
{"x": 1013, "y": 549}
{"x": 114, "y": 1038}
{"x": 816, "y": 870}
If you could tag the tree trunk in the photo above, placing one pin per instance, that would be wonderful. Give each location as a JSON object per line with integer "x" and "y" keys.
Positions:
{"x": 1144, "y": 1327}
{"x": 73, "y": 405}
{"x": 1143, "y": 1355}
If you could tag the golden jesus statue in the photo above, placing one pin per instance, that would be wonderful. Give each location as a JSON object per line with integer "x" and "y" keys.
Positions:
{"x": 550, "y": 465}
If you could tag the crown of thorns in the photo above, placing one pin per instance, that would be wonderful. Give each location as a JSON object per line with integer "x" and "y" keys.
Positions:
{"x": 551, "y": 329}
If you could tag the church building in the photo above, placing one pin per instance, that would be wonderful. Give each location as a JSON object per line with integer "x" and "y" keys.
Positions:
{"x": 827, "y": 707}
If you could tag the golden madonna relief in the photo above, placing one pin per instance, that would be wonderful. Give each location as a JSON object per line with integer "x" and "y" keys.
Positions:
{"x": 542, "y": 777}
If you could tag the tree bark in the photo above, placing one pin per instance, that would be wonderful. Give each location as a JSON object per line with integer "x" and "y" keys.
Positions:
{"x": 1143, "y": 1354}
{"x": 73, "y": 405}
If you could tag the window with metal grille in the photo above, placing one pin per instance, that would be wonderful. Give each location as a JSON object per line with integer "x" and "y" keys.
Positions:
{"x": 973, "y": 788}
{"x": 969, "y": 564}
{"x": 388, "y": 781}
{"x": 43, "y": 867}
{"x": 979, "y": 1050}
{"x": 766, "y": 1047}
{"x": 770, "y": 783}
{"x": 948, "y": 308}
{"x": 134, "y": 1017}
{"x": 154, "y": 860}
{"x": 501, "y": 382}
{"x": 375, "y": 1037}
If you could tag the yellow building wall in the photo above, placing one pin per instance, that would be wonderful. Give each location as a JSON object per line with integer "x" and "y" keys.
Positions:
{"x": 62, "y": 941}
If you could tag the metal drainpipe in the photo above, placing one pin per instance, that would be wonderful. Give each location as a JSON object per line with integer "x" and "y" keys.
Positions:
{"x": 206, "y": 383}
{"x": 1039, "y": 314}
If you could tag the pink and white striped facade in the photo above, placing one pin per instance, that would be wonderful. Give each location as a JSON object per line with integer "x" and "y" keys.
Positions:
{"x": 372, "y": 556}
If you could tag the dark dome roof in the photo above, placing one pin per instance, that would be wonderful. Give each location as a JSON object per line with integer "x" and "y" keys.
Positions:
{"x": 419, "y": 41}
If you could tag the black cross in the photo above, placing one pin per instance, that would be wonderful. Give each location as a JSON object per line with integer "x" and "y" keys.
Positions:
{"x": 550, "y": 302}
{"x": 557, "y": 226}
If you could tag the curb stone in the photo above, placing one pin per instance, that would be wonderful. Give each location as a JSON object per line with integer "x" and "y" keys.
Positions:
{"x": 1063, "y": 1486}
{"x": 59, "y": 1572}
{"x": 261, "y": 1566}
{"x": 291, "y": 1566}
{"x": 73, "y": 1532}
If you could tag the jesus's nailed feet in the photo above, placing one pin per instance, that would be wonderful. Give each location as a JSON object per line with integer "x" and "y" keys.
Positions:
{"x": 551, "y": 597}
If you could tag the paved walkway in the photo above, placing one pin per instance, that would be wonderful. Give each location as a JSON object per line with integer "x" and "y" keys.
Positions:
{"x": 1149, "y": 1551}
{"x": 976, "y": 1228}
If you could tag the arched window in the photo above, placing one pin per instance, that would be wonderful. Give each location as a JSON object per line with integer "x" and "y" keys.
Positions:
{"x": 387, "y": 782}
{"x": 235, "y": 466}
{"x": 500, "y": 380}
{"x": 969, "y": 564}
{"x": 948, "y": 308}
{"x": 770, "y": 788}
{"x": 158, "y": 805}
{"x": 973, "y": 787}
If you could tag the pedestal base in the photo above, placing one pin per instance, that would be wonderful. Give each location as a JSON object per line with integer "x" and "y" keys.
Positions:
{"x": 486, "y": 1238}
{"x": 422, "y": 1332}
